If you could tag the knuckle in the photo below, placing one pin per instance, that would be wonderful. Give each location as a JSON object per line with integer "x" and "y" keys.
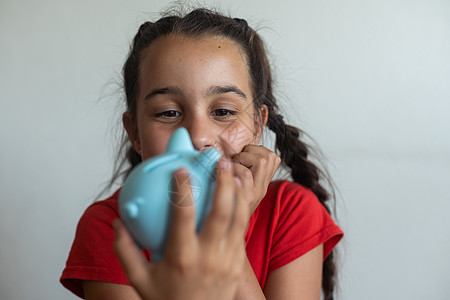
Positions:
{"x": 273, "y": 155}
{"x": 241, "y": 220}
{"x": 225, "y": 267}
{"x": 233, "y": 270}
{"x": 263, "y": 162}
{"x": 209, "y": 267}
{"x": 236, "y": 271}
{"x": 277, "y": 158}
{"x": 222, "y": 214}
{"x": 224, "y": 176}
{"x": 247, "y": 173}
{"x": 224, "y": 271}
{"x": 182, "y": 262}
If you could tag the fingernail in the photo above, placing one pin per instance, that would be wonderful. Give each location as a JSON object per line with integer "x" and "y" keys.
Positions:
{"x": 224, "y": 164}
{"x": 182, "y": 171}
{"x": 180, "y": 176}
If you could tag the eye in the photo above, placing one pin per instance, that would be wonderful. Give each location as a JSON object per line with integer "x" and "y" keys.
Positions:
{"x": 223, "y": 113}
{"x": 168, "y": 114}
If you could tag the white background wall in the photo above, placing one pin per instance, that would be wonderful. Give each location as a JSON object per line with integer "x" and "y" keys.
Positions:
{"x": 369, "y": 80}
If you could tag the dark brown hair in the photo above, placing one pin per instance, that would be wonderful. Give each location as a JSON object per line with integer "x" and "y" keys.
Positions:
{"x": 294, "y": 153}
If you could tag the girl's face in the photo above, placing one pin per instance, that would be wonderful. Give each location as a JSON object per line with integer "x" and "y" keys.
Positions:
{"x": 202, "y": 84}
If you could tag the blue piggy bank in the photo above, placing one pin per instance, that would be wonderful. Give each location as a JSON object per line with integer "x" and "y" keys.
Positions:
{"x": 145, "y": 199}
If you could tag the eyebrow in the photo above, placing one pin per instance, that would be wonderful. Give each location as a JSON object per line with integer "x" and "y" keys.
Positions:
{"x": 164, "y": 91}
{"x": 212, "y": 91}
{"x": 225, "y": 89}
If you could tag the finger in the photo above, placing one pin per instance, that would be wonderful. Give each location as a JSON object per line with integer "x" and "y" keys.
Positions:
{"x": 218, "y": 220}
{"x": 240, "y": 255}
{"x": 261, "y": 161}
{"x": 182, "y": 226}
{"x": 259, "y": 151}
{"x": 248, "y": 159}
{"x": 245, "y": 175}
{"x": 130, "y": 257}
{"x": 238, "y": 226}
{"x": 253, "y": 161}
{"x": 235, "y": 240}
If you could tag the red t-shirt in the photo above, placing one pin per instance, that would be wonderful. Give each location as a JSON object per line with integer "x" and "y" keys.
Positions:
{"x": 289, "y": 222}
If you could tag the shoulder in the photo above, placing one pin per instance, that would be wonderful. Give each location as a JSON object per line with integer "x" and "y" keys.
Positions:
{"x": 109, "y": 205}
{"x": 300, "y": 215}
{"x": 95, "y": 225}
{"x": 104, "y": 211}
{"x": 91, "y": 256}
{"x": 288, "y": 188}
{"x": 287, "y": 195}
{"x": 297, "y": 203}
{"x": 94, "y": 230}
{"x": 289, "y": 206}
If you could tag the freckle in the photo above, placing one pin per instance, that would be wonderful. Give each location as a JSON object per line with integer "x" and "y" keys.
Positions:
{"x": 219, "y": 46}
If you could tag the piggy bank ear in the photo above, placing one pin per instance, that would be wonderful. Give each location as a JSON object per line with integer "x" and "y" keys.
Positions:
{"x": 180, "y": 141}
{"x": 130, "y": 125}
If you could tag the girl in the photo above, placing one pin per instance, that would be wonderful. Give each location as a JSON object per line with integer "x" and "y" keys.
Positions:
{"x": 263, "y": 239}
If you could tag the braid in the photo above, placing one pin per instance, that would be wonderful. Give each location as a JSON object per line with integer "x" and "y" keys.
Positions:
{"x": 303, "y": 170}
{"x": 329, "y": 281}
{"x": 294, "y": 155}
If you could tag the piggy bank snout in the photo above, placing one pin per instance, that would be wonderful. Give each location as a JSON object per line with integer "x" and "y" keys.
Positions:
{"x": 132, "y": 207}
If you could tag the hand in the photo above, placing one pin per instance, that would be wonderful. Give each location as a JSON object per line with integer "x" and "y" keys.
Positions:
{"x": 195, "y": 266}
{"x": 255, "y": 166}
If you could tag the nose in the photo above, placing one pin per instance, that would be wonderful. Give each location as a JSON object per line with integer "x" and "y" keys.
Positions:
{"x": 201, "y": 133}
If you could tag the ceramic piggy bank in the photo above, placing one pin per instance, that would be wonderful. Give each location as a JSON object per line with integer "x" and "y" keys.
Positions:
{"x": 146, "y": 197}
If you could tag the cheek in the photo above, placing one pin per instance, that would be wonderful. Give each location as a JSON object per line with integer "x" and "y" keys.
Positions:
{"x": 153, "y": 143}
{"x": 236, "y": 136}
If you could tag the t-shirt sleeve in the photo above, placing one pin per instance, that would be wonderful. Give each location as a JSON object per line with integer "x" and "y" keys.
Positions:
{"x": 92, "y": 254}
{"x": 303, "y": 224}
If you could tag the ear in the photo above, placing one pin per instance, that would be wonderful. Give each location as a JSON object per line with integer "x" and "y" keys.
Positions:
{"x": 260, "y": 121}
{"x": 131, "y": 128}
